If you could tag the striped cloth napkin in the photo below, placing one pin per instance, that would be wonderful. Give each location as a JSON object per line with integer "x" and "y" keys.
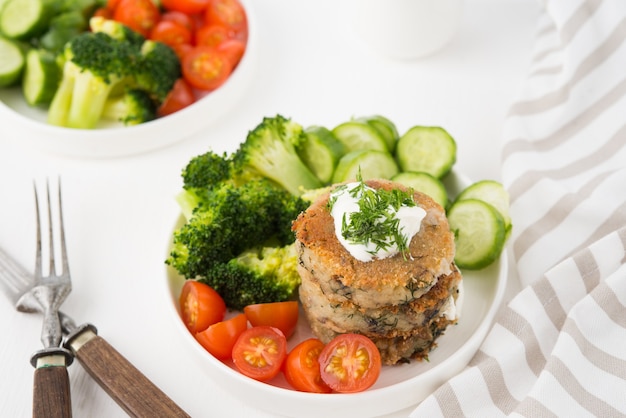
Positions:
{"x": 558, "y": 348}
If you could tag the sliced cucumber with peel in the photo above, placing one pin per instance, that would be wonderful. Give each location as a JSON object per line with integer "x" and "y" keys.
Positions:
{"x": 425, "y": 183}
{"x": 320, "y": 151}
{"x": 369, "y": 163}
{"x": 357, "y": 135}
{"x": 480, "y": 233}
{"x": 22, "y": 19}
{"x": 11, "y": 62}
{"x": 386, "y": 128}
{"x": 492, "y": 192}
{"x": 41, "y": 77}
{"x": 428, "y": 149}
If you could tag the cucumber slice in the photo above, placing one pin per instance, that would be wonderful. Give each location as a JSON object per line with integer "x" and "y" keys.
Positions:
{"x": 370, "y": 163}
{"x": 22, "y": 19}
{"x": 11, "y": 62}
{"x": 425, "y": 183}
{"x": 479, "y": 233}
{"x": 428, "y": 149}
{"x": 320, "y": 151}
{"x": 386, "y": 128}
{"x": 357, "y": 135}
{"x": 41, "y": 77}
{"x": 492, "y": 192}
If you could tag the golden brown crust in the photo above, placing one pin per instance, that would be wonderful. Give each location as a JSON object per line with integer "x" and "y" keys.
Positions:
{"x": 431, "y": 250}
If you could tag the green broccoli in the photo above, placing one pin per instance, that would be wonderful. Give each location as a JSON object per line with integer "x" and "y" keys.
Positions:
{"x": 270, "y": 150}
{"x": 230, "y": 219}
{"x": 104, "y": 63}
{"x": 159, "y": 68}
{"x": 133, "y": 107}
{"x": 237, "y": 235}
{"x": 116, "y": 30}
{"x": 258, "y": 275}
{"x": 94, "y": 64}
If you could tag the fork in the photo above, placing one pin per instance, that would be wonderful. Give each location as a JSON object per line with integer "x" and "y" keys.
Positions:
{"x": 51, "y": 389}
{"x": 134, "y": 392}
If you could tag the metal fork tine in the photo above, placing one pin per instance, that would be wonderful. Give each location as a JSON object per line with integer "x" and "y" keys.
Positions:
{"x": 65, "y": 263}
{"x": 50, "y": 232}
{"x": 38, "y": 262}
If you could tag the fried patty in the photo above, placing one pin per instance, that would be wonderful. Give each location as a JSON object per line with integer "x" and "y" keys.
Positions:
{"x": 389, "y": 281}
{"x": 398, "y": 301}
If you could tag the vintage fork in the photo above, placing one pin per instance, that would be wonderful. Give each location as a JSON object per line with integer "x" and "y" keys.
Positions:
{"x": 51, "y": 389}
{"x": 134, "y": 392}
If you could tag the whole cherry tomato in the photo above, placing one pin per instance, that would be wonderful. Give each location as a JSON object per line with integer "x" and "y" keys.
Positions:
{"x": 139, "y": 15}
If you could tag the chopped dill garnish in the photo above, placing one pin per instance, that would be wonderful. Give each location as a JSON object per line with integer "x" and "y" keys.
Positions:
{"x": 376, "y": 221}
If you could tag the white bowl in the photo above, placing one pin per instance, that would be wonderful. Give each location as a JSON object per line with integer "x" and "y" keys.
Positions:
{"x": 29, "y": 128}
{"x": 398, "y": 387}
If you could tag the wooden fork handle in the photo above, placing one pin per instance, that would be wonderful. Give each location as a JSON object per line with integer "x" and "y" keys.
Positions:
{"x": 51, "y": 388}
{"x": 133, "y": 391}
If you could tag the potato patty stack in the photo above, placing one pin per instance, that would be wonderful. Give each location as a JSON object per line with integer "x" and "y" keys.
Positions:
{"x": 402, "y": 302}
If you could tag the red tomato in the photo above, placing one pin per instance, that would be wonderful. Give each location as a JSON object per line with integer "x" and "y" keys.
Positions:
{"x": 181, "y": 50}
{"x": 281, "y": 315}
{"x": 180, "y": 18}
{"x": 219, "y": 339}
{"x": 350, "y": 363}
{"x": 170, "y": 33}
{"x": 206, "y": 68}
{"x": 212, "y": 35}
{"x": 140, "y": 15}
{"x": 302, "y": 367}
{"x": 185, "y": 6}
{"x": 178, "y": 98}
{"x": 234, "y": 50}
{"x": 259, "y": 352}
{"x": 229, "y": 13}
{"x": 200, "y": 306}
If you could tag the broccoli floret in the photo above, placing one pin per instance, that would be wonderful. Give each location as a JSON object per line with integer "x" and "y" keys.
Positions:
{"x": 207, "y": 170}
{"x": 94, "y": 64}
{"x": 258, "y": 275}
{"x": 133, "y": 107}
{"x": 116, "y": 30}
{"x": 229, "y": 219}
{"x": 159, "y": 69}
{"x": 270, "y": 149}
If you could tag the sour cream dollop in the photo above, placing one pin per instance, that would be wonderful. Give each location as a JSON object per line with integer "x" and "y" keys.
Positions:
{"x": 346, "y": 202}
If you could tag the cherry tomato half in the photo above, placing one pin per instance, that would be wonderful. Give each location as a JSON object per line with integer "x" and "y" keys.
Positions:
{"x": 139, "y": 15}
{"x": 219, "y": 339}
{"x": 212, "y": 35}
{"x": 206, "y": 68}
{"x": 259, "y": 352}
{"x": 234, "y": 50}
{"x": 185, "y": 6}
{"x": 281, "y": 315}
{"x": 178, "y": 98}
{"x": 170, "y": 33}
{"x": 350, "y": 363}
{"x": 200, "y": 306}
{"x": 229, "y": 13}
{"x": 302, "y": 367}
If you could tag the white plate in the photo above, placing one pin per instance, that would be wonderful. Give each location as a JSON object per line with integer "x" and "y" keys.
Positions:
{"x": 28, "y": 126}
{"x": 399, "y": 386}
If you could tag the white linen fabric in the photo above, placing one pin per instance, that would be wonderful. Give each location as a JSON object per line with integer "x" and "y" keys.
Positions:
{"x": 558, "y": 348}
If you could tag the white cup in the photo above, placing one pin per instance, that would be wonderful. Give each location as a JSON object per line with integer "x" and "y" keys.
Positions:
{"x": 406, "y": 29}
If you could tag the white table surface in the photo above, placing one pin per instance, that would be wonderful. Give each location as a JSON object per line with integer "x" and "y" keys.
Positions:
{"x": 120, "y": 211}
